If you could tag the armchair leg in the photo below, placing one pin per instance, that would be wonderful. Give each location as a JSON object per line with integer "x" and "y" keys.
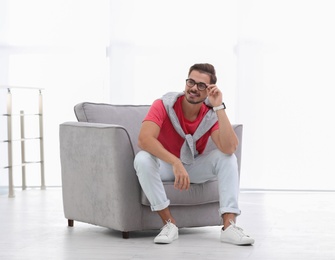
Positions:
{"x": 70, "y": 222}
{"x": 125, "y": 235}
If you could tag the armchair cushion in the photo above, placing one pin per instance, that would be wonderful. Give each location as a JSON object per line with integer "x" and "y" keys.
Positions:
{"x": 197, "y": 194}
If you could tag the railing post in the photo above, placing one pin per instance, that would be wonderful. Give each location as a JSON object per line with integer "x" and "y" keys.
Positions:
{"x": 41, "y": 140}
{"x": 23, "y": 151}
{"x": 10, "y": 145}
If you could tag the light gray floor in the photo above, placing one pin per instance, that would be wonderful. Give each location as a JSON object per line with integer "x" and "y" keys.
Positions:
{"x": 285, "y": 226}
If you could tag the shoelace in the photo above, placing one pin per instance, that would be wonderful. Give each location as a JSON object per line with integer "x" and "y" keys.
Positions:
{"x": 166, "y": 229}
{"x": 238, "y": 230}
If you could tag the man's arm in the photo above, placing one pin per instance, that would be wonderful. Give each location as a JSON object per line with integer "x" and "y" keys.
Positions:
{"x": 148, "y": 142}
{"x": 225, "y": 138}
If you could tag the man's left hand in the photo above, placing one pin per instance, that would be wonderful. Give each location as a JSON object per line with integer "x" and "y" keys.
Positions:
{"x": 214, "y": 95}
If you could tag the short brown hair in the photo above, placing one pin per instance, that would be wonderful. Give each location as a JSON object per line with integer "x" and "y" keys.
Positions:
{"x": 205, "y": 68}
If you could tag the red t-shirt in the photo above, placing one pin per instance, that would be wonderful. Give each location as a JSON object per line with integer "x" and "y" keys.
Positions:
{"x": 168, "y": 136}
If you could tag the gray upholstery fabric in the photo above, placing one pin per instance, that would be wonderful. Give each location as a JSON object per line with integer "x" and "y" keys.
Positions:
{"x": 98, "y": 179}
{"x": 197, "y": 194}
{"x": 99, "y": 183}
{"x": 129, "y": 116}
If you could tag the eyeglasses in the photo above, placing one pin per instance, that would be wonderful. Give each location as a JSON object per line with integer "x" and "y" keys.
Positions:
{"x": 200, "y": 85}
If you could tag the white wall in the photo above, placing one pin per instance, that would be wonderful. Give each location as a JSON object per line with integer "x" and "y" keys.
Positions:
{"x": 274, "y": 61}
{"x": 59, "y": 46}
{"x": 285, "y": 93}
{"x": 153, "y": 44}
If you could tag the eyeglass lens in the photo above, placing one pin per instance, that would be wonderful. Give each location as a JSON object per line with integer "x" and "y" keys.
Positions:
{"x": 200, "y": 85}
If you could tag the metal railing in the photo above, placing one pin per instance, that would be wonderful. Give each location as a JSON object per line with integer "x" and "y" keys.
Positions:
{"x": 23, "y": 139}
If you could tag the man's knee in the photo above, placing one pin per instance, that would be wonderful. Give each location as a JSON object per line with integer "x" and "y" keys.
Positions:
{"x": 144, "y": 159}
{"x": 225, "y": 163}
{"x": 220, "y": 156}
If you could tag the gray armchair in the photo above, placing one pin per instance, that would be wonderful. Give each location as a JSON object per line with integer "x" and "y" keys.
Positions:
{"x": 99, "y": 183}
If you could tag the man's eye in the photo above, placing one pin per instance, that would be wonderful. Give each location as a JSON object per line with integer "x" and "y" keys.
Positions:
{"x": 191, "y": 81}
{"x": 202, "y": 85}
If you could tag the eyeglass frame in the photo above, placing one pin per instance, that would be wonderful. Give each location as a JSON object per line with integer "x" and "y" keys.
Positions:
{"x": 196, "y": 83}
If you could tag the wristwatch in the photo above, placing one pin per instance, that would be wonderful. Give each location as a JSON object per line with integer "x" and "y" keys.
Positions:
{"x": 223, "y": 106}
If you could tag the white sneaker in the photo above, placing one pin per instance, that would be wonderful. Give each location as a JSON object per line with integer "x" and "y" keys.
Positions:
{"x": 235, "y": 235}
{"x": 168, "y": 233}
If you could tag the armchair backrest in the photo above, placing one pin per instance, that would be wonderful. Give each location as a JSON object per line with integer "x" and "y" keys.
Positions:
{"x": 128, "y": 116}
{"x": 131, "y": 117}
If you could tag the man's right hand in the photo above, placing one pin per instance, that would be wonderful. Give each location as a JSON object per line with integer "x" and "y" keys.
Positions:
{"x": 182, "y": 180}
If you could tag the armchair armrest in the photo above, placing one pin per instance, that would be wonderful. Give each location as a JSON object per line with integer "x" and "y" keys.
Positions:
{"x": 98, "y": 178}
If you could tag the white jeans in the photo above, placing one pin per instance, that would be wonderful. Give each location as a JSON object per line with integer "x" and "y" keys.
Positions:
{"x": 152, "y": 171}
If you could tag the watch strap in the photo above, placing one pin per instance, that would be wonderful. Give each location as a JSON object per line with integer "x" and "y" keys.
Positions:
{"x": 223, "y": 106}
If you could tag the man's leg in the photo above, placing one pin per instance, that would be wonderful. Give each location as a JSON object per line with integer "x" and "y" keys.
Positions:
{"x": 227, "y": 218}
{"x": 148, "y": 169}
{"x": 223, "y": 167}
{"x": 217, "y": 165}
{"x": 166, "y": 216}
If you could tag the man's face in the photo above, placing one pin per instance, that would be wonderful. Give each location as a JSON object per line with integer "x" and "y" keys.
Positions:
{"x": 192, "y": 94}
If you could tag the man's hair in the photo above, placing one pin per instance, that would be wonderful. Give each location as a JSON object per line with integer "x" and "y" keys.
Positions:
{"x": 205, "y": 68}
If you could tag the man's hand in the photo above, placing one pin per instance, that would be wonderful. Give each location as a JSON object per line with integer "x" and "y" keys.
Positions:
{"x": 214, "y": 95}
{"x": 182, "y": 180}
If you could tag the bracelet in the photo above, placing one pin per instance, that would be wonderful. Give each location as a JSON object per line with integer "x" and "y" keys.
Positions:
{"x": 223, "y": 106}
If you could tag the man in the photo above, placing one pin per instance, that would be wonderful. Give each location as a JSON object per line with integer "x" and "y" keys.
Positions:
{"x": 172, "y": 139}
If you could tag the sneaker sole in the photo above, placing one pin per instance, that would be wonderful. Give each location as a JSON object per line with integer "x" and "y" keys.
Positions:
{"x": 157, "y": 241}
{"x": 238, "y": 243}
